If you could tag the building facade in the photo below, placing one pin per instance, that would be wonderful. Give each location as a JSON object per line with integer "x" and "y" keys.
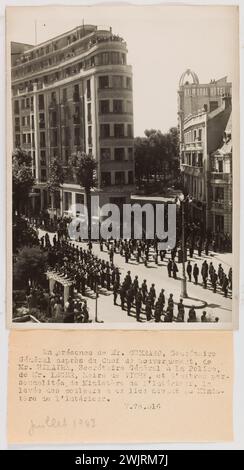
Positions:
{"x": 204, "y": 112}
{"x": 221, "y": 184}
{"x": 74, "y": 94}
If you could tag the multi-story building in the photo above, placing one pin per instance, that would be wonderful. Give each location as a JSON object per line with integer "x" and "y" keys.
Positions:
{"x": 204, "y": 112}
{"x": 221, "y": 184}
{"x": 70, "y": 94}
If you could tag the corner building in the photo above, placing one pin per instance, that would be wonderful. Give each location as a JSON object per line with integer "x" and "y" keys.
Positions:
{"x": 204, "y": 112}
{"x": 74, "y": 93}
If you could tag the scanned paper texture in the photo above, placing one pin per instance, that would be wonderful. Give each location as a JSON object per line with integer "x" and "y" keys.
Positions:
{"x": 119, "y": 386}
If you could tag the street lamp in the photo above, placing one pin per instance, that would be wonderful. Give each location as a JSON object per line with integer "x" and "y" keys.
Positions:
{"x": 181, "y": 202}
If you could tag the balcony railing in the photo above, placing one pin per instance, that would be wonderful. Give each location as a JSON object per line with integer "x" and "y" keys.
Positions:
{"x": 218, "y": 204}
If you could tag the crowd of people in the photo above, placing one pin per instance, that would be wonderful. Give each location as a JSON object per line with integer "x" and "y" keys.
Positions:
{"x": 88, "y": 272}
{"x": 147, "y": 251}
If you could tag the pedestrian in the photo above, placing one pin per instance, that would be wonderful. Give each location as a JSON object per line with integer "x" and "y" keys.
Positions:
{"x": 195, "y": 273}
{"x": 192, "y": 315}
{"x": 174, "y": 269}
{"x": 189, "y": 270}
{"x": 169, "y": 267}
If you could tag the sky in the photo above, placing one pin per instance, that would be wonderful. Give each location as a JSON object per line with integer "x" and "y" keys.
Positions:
{"x": 162, "y": 41}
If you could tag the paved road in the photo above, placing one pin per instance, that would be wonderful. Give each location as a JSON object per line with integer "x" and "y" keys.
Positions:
{"x": 217, "y": 304}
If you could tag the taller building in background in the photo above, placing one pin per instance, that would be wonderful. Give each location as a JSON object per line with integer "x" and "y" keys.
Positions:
{"x": 74, "y": 93}
{"x": 204, "y": 112}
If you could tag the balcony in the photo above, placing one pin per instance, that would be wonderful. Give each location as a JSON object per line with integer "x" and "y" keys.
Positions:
{"x": 220, "y": 177}
{"x": 218, "y": 205}
{"x": 192, "y": 170}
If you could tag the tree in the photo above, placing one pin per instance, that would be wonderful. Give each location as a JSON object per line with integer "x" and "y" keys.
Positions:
{"x": 30, "y": 265}
{"x": 22, "y": 178}
{"x": 85, "y": 167}
{"x": 55, "y": 180}
{"x": 156, "y": 154}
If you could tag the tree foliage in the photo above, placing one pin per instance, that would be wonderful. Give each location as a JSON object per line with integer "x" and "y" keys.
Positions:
{"x": 156, "y": 154}
{"x": 56, "y": 176}
{"x": 30, "y": 264}
{"x": 85, "y": 169}
{"x": 22, "y": 177}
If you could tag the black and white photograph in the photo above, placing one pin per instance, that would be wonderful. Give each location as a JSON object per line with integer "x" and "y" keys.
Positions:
{"x": 123, "y": 160}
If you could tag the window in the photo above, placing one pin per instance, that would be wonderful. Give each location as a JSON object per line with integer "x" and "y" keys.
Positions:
{"x": 89, "y": 135}
{"x": 220, "y": 166}
{"x": 200, "y": 162}
{"x": 22, "y": 104}
{"x": 115, "y": 58}
{"x": 77, "y": 135}
{"x": 118, "y": 130}
{"x": 105, "y": 154}
{"x": 104, "y": 131}
{"x": 117, "y": 106}
{"x": 43, "y": 158}
{"x": 67, "y": 200}
{"x": 41, "y": 101}
{"x": 104, "y": 58}
{"x": 23, "y": 121}
{"x": 16, "y": 107}
{"x": 119, "y": 154}
{"x": 88, "y": 89}
{"x": 79, "y": 198}
{"x": 104, "y": 106}
{"x": 219, "y": 223}
{"x": 219, "y": 194}
{"x": 76, "y": 93}
{"x": 103, "y": 82}
{"x": 129, "y": 130}
{"x": 32, "y": 122}
{"x": 106, "y": 178}
{"x": 89, "y": 115}
{"x": 43, "y": 174}
{"x": 119, "y": 177}
{"x": 54, "y": 138}
{"x": 200, "y": 134}
{"x": 42, "y": 139}
{"x": 194, "y": 134}
{"x": 123, "y": 59}
{"x": 128, "y": 83}
{"x": 194, "y": 159}
{"x": 130, "y": 177}
{"x": 64, "y": 95}
{"x": 24, "y": 138}
{"x": 27, "y": 102}
{"x": 129, "y": 108}
{"x": 28, "y": 138}
{"x": 76, "y": 115}
{"x": 117, "y": 81}
{"x": 53, "y": 96}
{"x": 130, "y": 154}
{"x": 53, "y": 119}
{"x": 42, "y": 121}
